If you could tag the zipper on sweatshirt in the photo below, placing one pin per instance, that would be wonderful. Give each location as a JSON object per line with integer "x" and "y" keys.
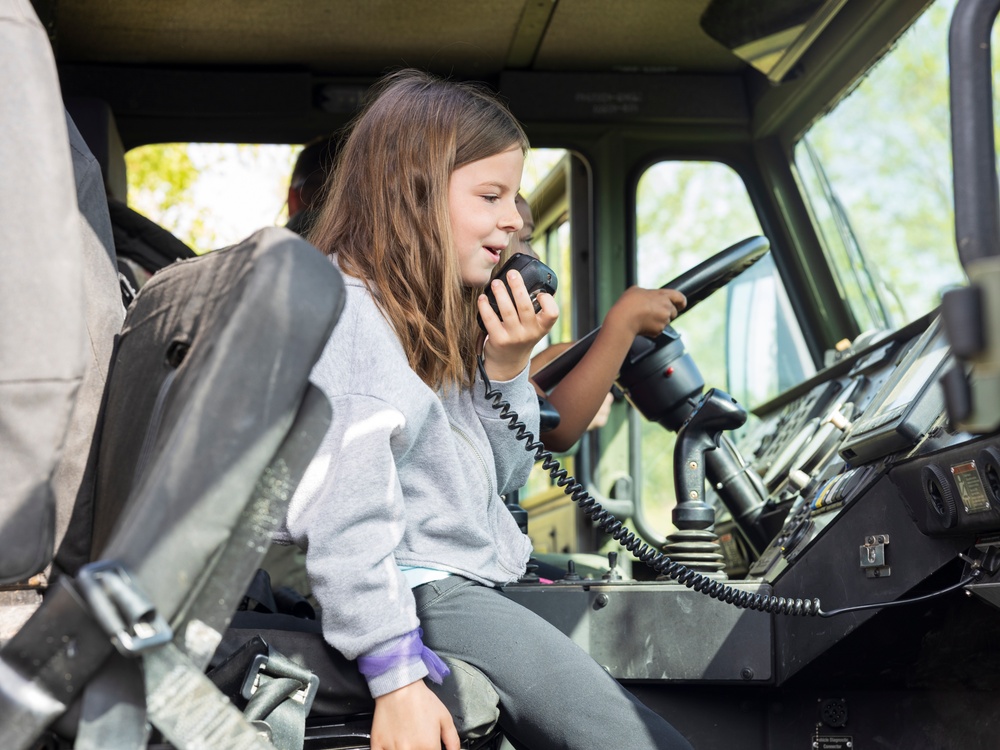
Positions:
{"x": 482, "y": 462}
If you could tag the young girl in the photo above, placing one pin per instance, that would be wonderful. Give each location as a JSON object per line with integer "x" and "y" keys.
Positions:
{"x": 400, "y": 514}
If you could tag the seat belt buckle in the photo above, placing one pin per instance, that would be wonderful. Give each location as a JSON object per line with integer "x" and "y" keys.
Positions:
{"x": 127, "y": 615}
{"x": 261, "y": 668}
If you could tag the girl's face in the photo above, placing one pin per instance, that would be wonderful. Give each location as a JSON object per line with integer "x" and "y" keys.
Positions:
{"x": 483, "y": 214}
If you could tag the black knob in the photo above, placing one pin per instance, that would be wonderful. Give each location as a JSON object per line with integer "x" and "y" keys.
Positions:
{"x": 530, "y": 573}
{"x": 613, "y": 574}
{"x": 571, "y": 574}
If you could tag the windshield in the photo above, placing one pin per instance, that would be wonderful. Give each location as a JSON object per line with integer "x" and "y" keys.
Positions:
{"x": 876, "y": 172}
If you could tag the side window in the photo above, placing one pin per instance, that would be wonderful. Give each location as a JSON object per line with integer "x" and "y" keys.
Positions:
{"x": 210, "y": 195}
{"x": 687, "y": 211}
{"x": 554, "y": 519}
{"x": 543, "y": 184}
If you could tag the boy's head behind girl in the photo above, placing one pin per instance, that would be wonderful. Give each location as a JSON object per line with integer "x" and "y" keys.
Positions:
{"x": 388, "y": 211}
{"x": 525, "y": 235}
{"x": 313, "y": 165}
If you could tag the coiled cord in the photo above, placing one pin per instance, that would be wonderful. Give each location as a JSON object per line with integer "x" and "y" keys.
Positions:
{"x": 610, "y": 525}
{"x": 658, "y": 561}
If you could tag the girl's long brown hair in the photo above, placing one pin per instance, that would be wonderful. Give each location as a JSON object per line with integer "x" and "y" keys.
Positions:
{"x": 386, "y": 216}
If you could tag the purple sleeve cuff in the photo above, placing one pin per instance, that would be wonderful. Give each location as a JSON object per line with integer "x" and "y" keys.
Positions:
{"x": 409, "y": 648}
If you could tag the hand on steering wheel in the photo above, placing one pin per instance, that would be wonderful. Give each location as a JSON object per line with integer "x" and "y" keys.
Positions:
{"x": 695, "y": 284}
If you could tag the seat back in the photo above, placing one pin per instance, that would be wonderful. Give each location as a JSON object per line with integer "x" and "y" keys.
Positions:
{"x": 210, "y": 370}
{"x": 209, "y": 423}
{"x": 142, "y": 246}
{"x": 96, "y": 123}
{"x": 60, "y": 309}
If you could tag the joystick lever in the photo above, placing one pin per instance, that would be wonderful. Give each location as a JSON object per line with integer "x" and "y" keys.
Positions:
{"x": 716, "y": 412}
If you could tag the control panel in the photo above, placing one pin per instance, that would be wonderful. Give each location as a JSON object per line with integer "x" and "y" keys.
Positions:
{"x": 849, "y": 492}
{"x": 877, "y": 413}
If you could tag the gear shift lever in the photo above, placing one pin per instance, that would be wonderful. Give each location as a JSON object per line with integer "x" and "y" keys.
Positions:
{"x": 694, "y": 543}
{"x": 716, "y": 412}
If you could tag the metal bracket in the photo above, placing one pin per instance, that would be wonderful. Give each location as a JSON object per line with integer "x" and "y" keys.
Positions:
{"x": 873, "y": 556}
{"x": 125, "y": 612}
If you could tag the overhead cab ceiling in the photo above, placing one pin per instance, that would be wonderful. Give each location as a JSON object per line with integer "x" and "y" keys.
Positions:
{"x": 283, "y": 70}
{"x": 364, "y": 37}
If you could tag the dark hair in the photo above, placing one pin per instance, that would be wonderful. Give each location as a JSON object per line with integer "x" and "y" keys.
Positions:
{"x": 387, "y": 215}
{"x": 313, "y": 166}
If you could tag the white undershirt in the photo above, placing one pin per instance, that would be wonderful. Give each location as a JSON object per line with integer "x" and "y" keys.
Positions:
{"x": 416, "y": 575}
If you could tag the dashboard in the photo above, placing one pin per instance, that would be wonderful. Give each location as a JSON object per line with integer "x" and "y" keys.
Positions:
{"x": 866, "y": 494}
{"x": 876, "y": 418}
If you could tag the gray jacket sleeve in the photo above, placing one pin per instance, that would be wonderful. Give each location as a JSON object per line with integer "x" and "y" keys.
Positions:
{"x": 349, "y": 544}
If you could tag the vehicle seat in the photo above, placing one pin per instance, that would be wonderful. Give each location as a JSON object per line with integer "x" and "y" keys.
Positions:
{"x": 143, "y": 247}
{"x": 205, "y": 433}
{"x": 59, "y": 312}
{"x": 343, "y": 692}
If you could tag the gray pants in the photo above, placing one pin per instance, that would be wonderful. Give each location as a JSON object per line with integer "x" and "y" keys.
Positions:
{"x": 552, "y": 694}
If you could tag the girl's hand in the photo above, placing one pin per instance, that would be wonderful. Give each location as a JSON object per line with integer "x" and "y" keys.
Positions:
{"x": 645, "y": 311}
{"x": 412, "y": 718}
{"x": 511, "y": 340}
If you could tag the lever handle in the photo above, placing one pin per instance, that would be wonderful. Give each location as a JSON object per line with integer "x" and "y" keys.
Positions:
{"x": 716, "y": 412}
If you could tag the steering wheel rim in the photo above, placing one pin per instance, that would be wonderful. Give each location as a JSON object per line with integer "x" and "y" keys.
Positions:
{"x": 696, "y": 284}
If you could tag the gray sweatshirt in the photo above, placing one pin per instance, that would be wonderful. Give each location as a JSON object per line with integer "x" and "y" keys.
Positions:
{"x": 404, "y": 476}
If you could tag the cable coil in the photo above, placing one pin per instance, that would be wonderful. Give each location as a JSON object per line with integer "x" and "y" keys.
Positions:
{"x": 660, "y": 562}
{"x": 610, "y": 525}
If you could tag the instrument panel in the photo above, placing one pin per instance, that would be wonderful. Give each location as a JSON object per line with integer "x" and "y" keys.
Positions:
{"x": 867, "y": 495}
{"x": 876, "y": 413}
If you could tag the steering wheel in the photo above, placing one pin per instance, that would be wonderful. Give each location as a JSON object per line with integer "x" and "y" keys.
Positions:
{"x": 696, "y": 284}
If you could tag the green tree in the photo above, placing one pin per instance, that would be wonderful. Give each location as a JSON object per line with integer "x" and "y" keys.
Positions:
{"x": 886, "y": 148}
{"x": 161, "y": 181}
{"x": 686, "y": 212}
{"x": 210, "y": 194}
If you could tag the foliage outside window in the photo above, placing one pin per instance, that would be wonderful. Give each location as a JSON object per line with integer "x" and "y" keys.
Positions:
{"x": 886, "y": 150}
{"x": 211, "y": 195}
{"x": 686, "y": 212}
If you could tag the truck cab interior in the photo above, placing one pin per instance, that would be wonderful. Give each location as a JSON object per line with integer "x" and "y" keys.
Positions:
{"x": 807, "y": 463}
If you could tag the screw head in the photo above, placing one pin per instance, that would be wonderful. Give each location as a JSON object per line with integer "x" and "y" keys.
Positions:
{"x": 746, "y": 673}
{"x": 693, "y": 494}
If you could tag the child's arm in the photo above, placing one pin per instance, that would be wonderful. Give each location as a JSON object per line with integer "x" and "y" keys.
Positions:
{"x": 580, "y": 394}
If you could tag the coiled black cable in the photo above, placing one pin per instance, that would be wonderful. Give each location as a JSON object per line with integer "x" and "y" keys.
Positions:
{"x": 658, "y": 561}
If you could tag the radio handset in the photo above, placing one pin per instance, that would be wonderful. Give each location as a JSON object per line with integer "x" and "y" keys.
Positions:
{"x": 537, "y": 276}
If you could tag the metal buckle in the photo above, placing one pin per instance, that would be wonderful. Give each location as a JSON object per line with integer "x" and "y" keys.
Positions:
{"x": 259, "y": 668}
{"x": 125, "y": 613}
